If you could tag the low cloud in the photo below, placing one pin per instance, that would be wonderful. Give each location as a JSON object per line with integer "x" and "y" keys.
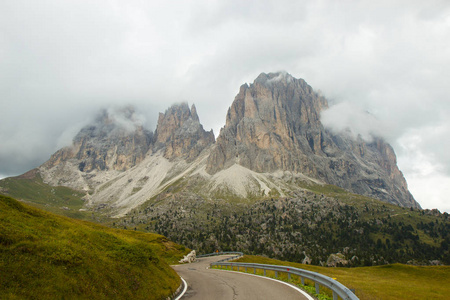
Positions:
{"x": 125, "y": 118}
{"x": 62, "y": 61}
{"x": 345, "y": 117}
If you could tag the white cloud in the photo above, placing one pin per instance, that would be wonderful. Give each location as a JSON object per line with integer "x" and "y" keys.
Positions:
{"x": 345, "y": 117}
{"x": 428, "y": 179}
{"x": 432, "y": 190}
{"x": 61, "y": 61}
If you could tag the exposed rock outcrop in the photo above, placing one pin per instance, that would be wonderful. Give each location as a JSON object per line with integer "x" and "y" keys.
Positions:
{"x": 190, "y": 258}
{"x": 274, "y": 124}
{"x": 179, "y": 131}
{"x": 336, "y": 260}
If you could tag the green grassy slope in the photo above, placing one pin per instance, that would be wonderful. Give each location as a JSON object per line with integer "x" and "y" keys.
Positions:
{"x": 47, "y": 256}
{"x": 30, "y": 187}
{"x": 386, "y": 282}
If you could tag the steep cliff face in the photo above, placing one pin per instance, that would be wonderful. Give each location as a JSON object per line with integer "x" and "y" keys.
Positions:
{"x": 180, "y": 133}
{"x": 274, "y": 124}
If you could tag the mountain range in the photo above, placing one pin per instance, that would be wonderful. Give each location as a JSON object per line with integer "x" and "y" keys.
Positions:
{"x": 274, "y": 182}
{"x": 272, "y": 140}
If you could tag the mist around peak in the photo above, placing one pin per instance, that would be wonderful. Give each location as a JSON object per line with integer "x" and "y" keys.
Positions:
{"x": 274, "y": 77}
{"x": 353, "y": 121}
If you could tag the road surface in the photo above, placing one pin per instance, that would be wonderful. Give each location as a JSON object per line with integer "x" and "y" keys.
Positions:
{"x": 205, "y": 283}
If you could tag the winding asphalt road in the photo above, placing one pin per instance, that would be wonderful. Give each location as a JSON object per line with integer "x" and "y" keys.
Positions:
{"x": 205, "y": 283}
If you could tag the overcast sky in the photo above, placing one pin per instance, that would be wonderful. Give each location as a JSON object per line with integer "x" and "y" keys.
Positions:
{"x": 61, "y": 61}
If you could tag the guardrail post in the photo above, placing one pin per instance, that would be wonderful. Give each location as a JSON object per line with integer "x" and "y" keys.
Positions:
{"x": 289, "y": 276}
{"x": 276, "y": 274}
{"x": 317, "y": 288}
{"x": 245, "y": 269}
{"x": 335, "y": 296}
{"x": 264, "y": 272}
{"x": 303, "y": 280}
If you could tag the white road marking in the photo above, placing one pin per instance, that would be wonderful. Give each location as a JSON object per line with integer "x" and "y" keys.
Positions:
{"x": 184, "y": 290}
{"x": 259, "y": 276}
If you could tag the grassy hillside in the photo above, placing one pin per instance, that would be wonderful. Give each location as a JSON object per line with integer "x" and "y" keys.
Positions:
{"x": 386, "y": 282}
{"x": 30, "y": 187}
{"x": 53, "y": 257}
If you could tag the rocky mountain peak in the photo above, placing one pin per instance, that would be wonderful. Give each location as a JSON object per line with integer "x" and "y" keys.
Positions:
{"x": 170, "y": 121}
{"x": 266, "y": 122}
{"x": 275, "y": 78}
{"x": 274, "y": 124}
{"x": 115, "y": 140}
{"x": 274, "y": 92}
{"x": 180, "y": 133}
{"x": 272, "y": 127}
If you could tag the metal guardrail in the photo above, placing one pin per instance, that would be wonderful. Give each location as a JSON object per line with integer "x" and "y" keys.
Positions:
{"x": 239, "y": 254}
{"x": 336, "y": 287}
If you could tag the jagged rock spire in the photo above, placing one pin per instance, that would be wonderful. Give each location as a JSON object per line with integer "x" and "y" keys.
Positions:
{"x": 194, "y": 113}
{"x": 180, "y": 133}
